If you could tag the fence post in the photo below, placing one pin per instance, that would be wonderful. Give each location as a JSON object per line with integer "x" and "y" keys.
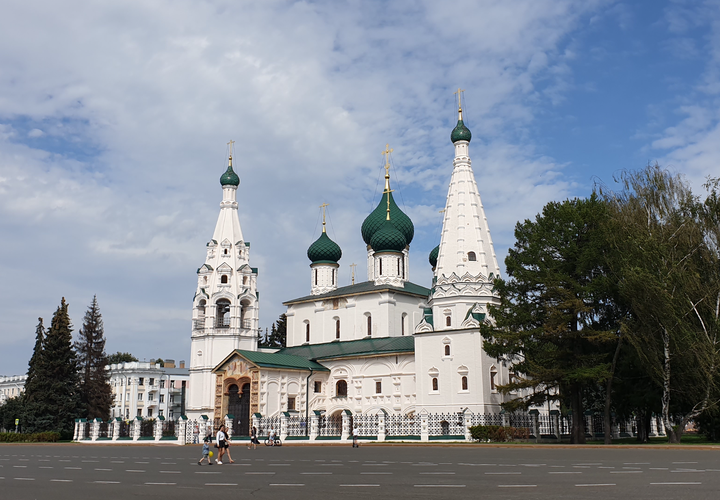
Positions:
{"x": 76, "y": 433}
{"x": 229, "y": 425}
{"x": 314, "y": 425}
{"x": 555, "y": 416}
{"x": 203, "y": 427}
{"x": 182, "y": 431}
{"x": 284, "y": 425}
{"x": 137, "y": 422}
{"x": 504, "y": 418}
{"x": 424, "y": 431}
{"x": 256, "y": 421}
{"x": 81, "y": 434}
{"x": 534, "y": 414}
{"x": 95, "y": 429}
{"x": 381, "y": 433}
{"x": 116, "y": 428}
{"x": 159, "y": 427}
{"x": 345, "y": 425}
{"x": 466, "y": 421}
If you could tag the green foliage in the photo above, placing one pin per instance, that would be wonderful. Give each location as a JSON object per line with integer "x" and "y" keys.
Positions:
{"x": 10, "y": 410}
{"x": 556, "y": 321}
{"x": 95, "y": 390}
{"x": 37, "y": 437}
{"x": 52, "y": 400}
{"x": 121, "y": 357}
{"x": 278, "y": 333}
{"x": 498, "y": 433}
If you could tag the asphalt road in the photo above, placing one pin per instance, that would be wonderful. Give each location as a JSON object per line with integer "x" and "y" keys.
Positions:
{"x": 319, "y": 472}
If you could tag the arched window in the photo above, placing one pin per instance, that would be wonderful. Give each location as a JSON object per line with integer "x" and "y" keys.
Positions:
{"x": 223, "y": 278}
{"x": 434, "y": 384}
{"x": 332, "y": 281}
{"x": 448, "y": 321}
{"x": 337, "y": 328}
{"x": 369, "y": 325}
{"x": 201, "y": 308}
{"x": 341, "y": 389}
{"x": 447, "y": 350}
{"x": 307, "y": 332}
{"x": 315, "y": 277}
{"x": 380, "y": 260}
{"x": 222, "y": 315}
{"x": 472, "y": 257}
{"x": 464, "y": 383}
{"x": 493, "y": 374}
{"x": 402, "y": 267}
{"x": 225, "y": 252}
{"x": 402, "y": 324}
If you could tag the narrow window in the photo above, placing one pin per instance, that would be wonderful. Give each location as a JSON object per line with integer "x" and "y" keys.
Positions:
{"x": 472, "y": 257}
{"x": 447, "y": 350}
{"x": 398, "y": 265}
{"x": 464, "y": 384}
{"x": 378, "y": 387}
{"x": 315, "y": 277}
{"x": 448, "y": 321}
{"x": 337, "y": 328}
{"x": 332, "y": 280}
{"x": 223, "y": 279}
{"x": 141, "y": 381}
{"x": 307, "y": 332}
{"x": 435, "y": 384}
{"x": 244, "y": 280}
{"x": 402, "y": 267}
{"x": 369, "y": 325}
{"x": 225, "y": 251}
{"x": 381, "y": 267}
{"x": 341, "y": 389}
{"x": 402, "y": 325}
{"x": 493, "y": 373}
{"x": 318, "y": 386}
{"x": 291, "y": 403}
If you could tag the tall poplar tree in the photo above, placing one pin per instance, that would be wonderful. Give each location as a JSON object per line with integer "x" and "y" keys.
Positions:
{"x": 95, "y": 390}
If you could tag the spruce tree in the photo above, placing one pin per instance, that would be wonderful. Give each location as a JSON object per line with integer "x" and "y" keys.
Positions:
{"x": 53, "y": 401}
{"x": 278, "y": 333}
{"x": 35, "y": 365}
{"x": 95, "y": 390}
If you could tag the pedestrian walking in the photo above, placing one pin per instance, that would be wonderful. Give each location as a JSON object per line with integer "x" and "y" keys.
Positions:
{"x": 221, "y": 443}
{"x": 206, "y": 450}
{"x": 356, "y": 436}
{"x": 253, "y": 439}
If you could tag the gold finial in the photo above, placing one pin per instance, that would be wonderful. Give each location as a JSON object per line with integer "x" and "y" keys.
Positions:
{"x": 386, "y": 154}
{"x": 323, "y": 209}
{"x": 388, "y": 191}
{"x": 231, "y": 143}
{"x": 459, "y": 94}
{"x": 353, "y": 266}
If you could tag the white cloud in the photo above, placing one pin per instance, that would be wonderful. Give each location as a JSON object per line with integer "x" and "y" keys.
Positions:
{"x": 129, "y": 105}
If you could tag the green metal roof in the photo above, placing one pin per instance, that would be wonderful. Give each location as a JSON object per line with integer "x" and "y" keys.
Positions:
{"x": 376, "y": 219}
{"x": 324, "y": 250}
{"x": 278, "y": 360}
{"x": 434, "y": 256}
{"x": 229, "y": 178}
{"x": 364, "y": 287}
{"x": 352, "y": 348}
{"x": 388, "y": 238}
{"x": 460, "y": 133}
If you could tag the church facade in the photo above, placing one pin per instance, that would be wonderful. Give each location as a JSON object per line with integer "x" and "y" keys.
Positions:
{"x": 382, "y": 345}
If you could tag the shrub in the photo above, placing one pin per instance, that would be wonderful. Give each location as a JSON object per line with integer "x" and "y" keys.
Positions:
{"x": 497, "y": 433}
{"x": 21, "y": 437}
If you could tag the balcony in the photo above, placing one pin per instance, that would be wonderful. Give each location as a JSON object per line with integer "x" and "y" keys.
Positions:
{"x": 223, "y": 322}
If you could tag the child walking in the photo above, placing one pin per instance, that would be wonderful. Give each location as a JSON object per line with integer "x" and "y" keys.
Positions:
{"x": 206, "y": 450}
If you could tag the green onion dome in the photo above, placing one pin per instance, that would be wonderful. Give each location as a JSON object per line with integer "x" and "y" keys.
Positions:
{"x": 388, "y": 239}
{"x": 376, "y": 219}
{"x": 434, "y": 256}
{"x": 229, "y": 178}
{"x": 324, "y": 250}
{"x": 460, "y": 133}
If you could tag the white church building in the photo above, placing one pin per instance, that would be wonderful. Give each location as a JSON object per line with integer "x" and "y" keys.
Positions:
{"x": 383, "y": 345}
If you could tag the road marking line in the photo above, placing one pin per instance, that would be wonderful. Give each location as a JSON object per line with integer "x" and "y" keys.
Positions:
{"x": 598, "y": 484}
{"x": 360, "y": 485}
{"x": 517, "y": 485}
{"x": 162, "y": 484}
{"x": 315, "y": 473}
{"x": 45, "y": 467}
{"x": 287, "y": 484}
{"x": 25, "y": 478}
{"x": 517, "y": 473}
{"x": 104, "y": 470}
{"x": 278, "y": 465}
{"x": 117, "y": 461}
{"x": 658, "y": 468}
{"x": 90, "y": 461}
{"x": 220, "y": 484}
{"x": 61, "y": 480}
{"x": 20, "y": 466}
{"x": 452, "y": 473}
{"x": 73, "y": 468}
{"x": 168, "y": 463}
{"x": 376, "y": 473}
{"x": 133, "y": 470}
{"x": 563, "y": 472}
{"x": 646, "y": 463}
{"x": 597, "y": 463}
{"x": 260, "y": 473}
{"x": 688, "y": 470}
{"x": 625, "y": 472}
{"x": 439, "y": 485}
{"x": 675, "y": 483}
{"x": 106, "y": 482}
{"x": 208, "y": 472}
{"x": 684, "y": 462}
{"x": 142, "y": 462}
{"x": 169, "y": 472}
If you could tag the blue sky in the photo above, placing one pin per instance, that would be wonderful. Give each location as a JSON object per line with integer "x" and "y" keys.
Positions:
{"x": 114, "y": 118}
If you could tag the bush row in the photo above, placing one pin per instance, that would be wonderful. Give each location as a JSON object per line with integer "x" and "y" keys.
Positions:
{"x": 498, "y": 433}
{"x": 21, "y": 437}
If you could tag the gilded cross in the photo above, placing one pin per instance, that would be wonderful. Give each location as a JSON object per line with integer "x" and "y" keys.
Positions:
{"x": 353, "y": 266}
{"x": 386, "y": 154}
{"x": 459, "y": 94}
{"x": 323, "y": 209}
